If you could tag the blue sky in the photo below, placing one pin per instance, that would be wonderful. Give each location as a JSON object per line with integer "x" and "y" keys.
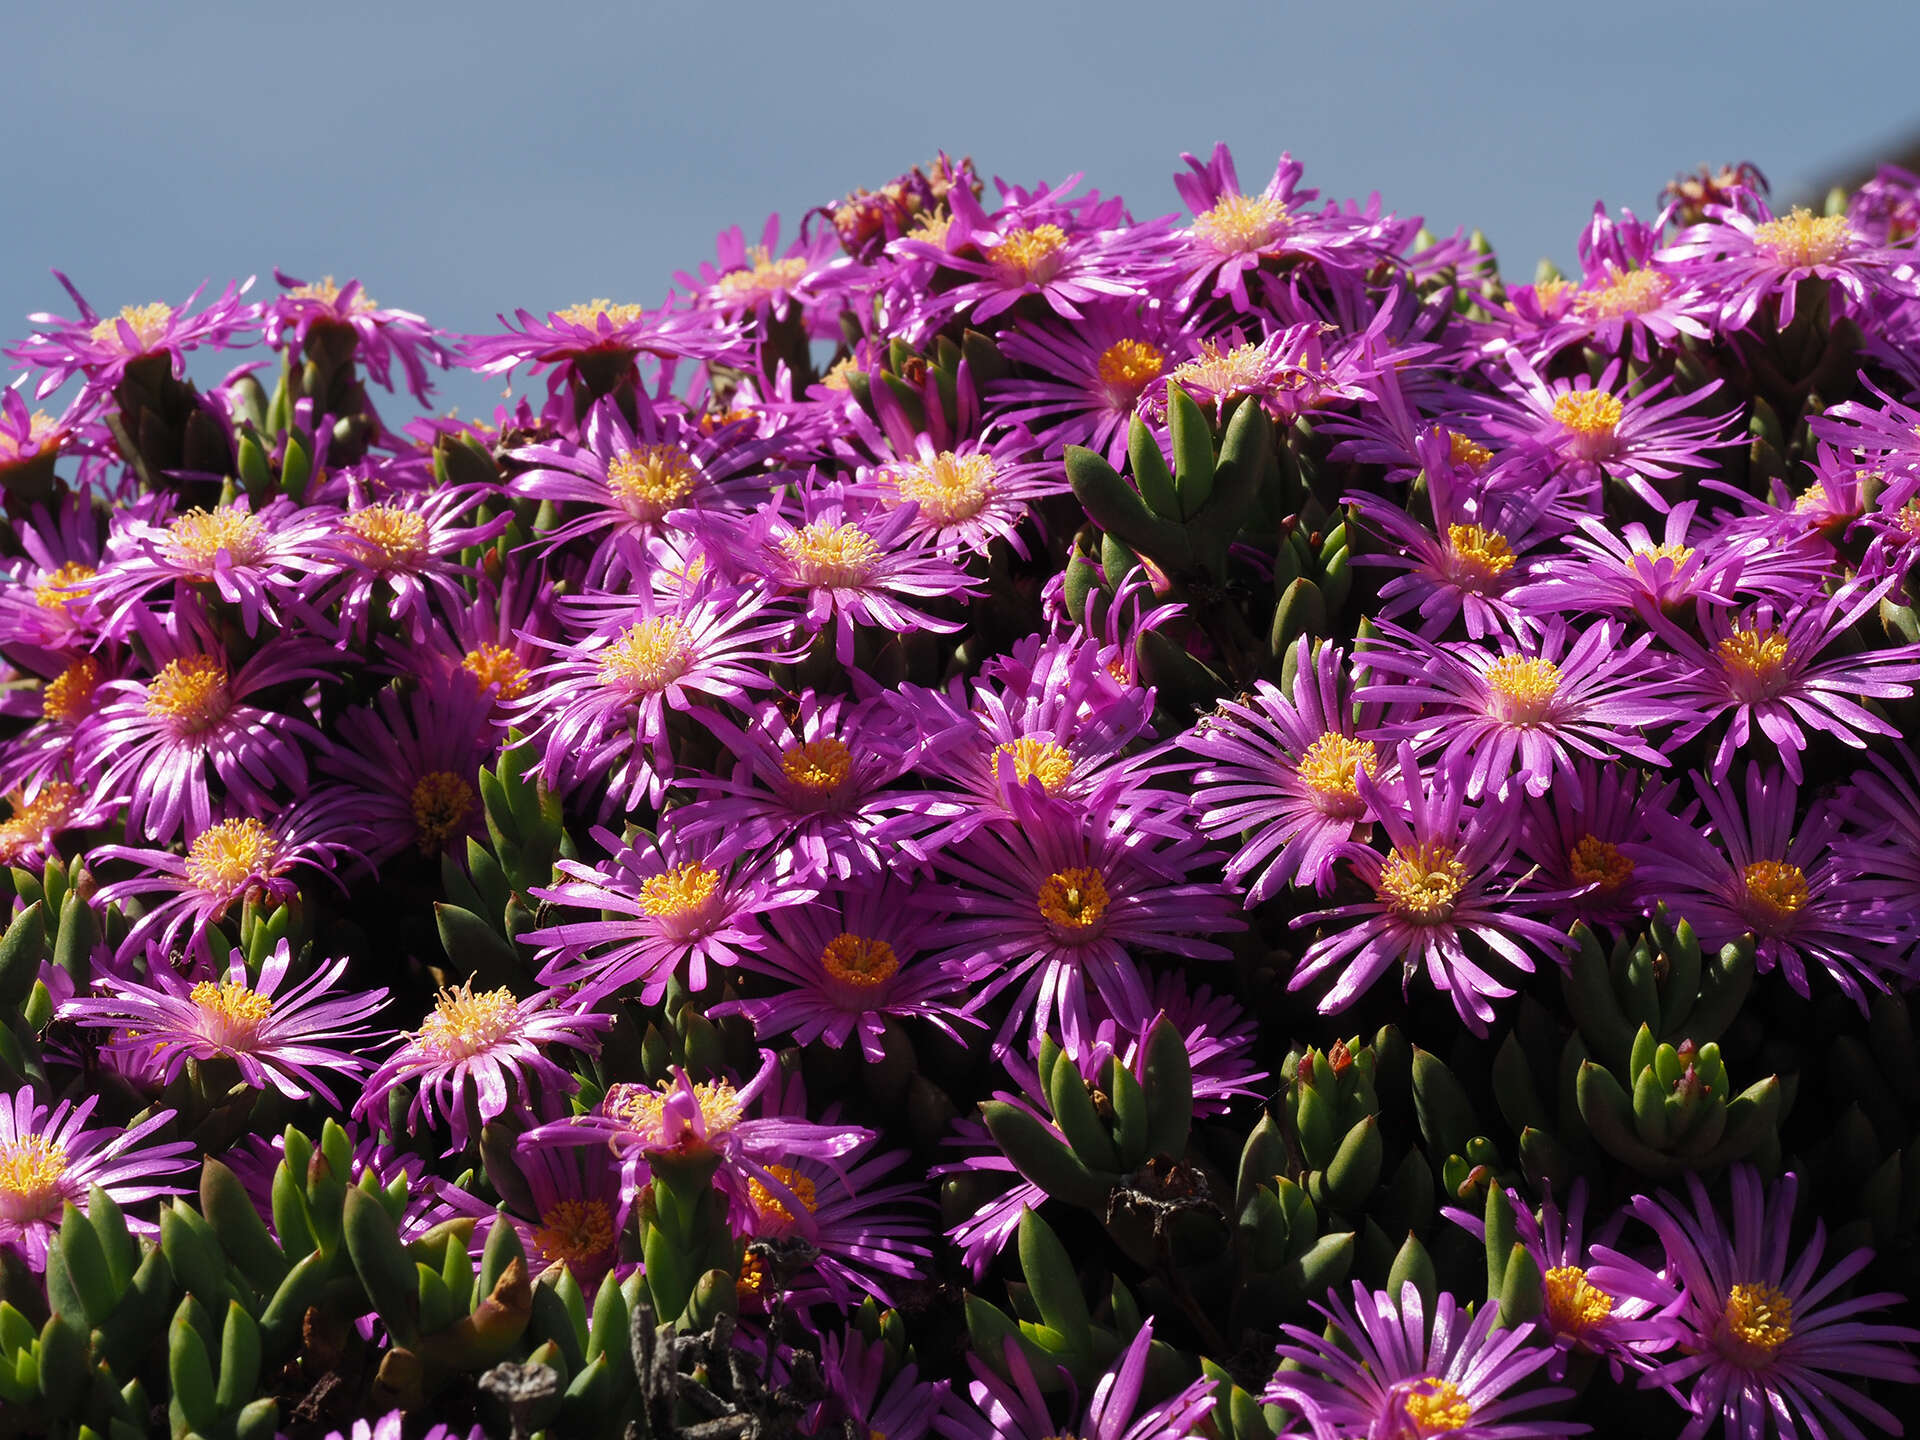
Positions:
{"x": 465, "y": 159}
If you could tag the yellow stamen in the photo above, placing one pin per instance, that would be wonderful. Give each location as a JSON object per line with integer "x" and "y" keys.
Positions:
{"x": 1241, "y": 224}
{"x": 148, "y": 323}
{"x": 643, "y": 1109}
{"x": 69, "y": 695}
{"x": 1803, "y": 239}
{"x": 191, "y": 694}
{"x": 1548, "y": 292}
{"x": 41, "y": 427}
{"x": 949, "y": 488}
{"x": 1574, "y": 1303}
{"x": 1030, "y": 257}
{"x": 819, "y": 766}
{"x": 1438, "y": 1407}
{"x": 1753, "y": 660}
{"x": 1480, "y": 555}
{"x": 442, "y": 803}
{"x": 1127, "y": 367}
{"x": 1470, "y": 453}
{"x": 464, "y": 1024}
{"x": 228, "y": 854}
{"x": 1626, "y": 292}
{"x": 63, "y": 588}
{"x": 395, "y": 536}
{"x": 1331, "y": 769}
{"x": 931, "y": 229}
{"x": 1030, "y": 759}
{"x": 763, "y": 278}
{"x": 1759, "y": 1320}
{"x": 1776, "y": 891}
{"x": 769, "y": 1205}
{"x": 1599, "y": 863}
{"x": 652, "y": 479}
{"x": 1223, "y": 374}
{"x": 588, "y": 314}
{"x": 234, "y": 1013}
{"x": 752, "y": 1281}
{"x": 32, "y": 1169}
{"x": 840, "y": 374}
{"x": 1678, "y": 554}
{"x": 677, "y": 893}
{"x": 648, "y": 656}
{"x": 1523, "y": 688}
{"x": 32, "y": 821}
{"x": 196, "y": 538}
{"x": 496, "y": 665}
{"x": 858, "y": 961}
{"x": 327, "y": 292}
{"x": 576, "y": 1233}
{"x": 1591, "y": 418}
{"x": 1073, "y": 899}
{"x": 1424, "y": 884}
{"x": 832, "y": 556}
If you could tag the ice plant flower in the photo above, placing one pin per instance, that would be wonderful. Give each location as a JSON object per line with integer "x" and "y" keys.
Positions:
{"x": 262, "y": 561}
{"x": 1388, "y": 1372}
{"x": 479, "y": 1055}
{"x": 1764, "y": 1342}
{"x": 966, "y": 497}
{"x": 395, "y": 553}
{"x": 100, "y": 348}
{"x": 1095, "y": 372}
{"x": 1447, "y": 878}
{"x": 1575, "y": 835}
{"x": 274, "y": 1031}
{"x": 1750, "y": 259}
{"x": 381, "y": 333}
{"x": 48, "y": 1158}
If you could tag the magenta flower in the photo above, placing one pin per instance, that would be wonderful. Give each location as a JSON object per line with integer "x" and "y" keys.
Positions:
{"x": 398, "y": 554}
{"x": 600, "y": 337}
{"x": 1095, "y": 371}
{"x": 381, "y": 334}
{"x": 1388, "y": 1373}
{"x": 48, "y": 1158}
{"x": 1016, "y": 1409}
{"x": 1447, "y": 877}
{"x": 100, "y": 348}
{"x": 565, "y": 1206}
{"x": 1749, "y": 259}
{"x": 762, "y": 278}
{"x": 854, "y": 1370}
{"x": 1575, "y": 835}
{"x": 1763, "y": 1341}
{"x": 274, "y": 1032}
{"x": 1281, "y": 770}
{"x": 966, "y": 497}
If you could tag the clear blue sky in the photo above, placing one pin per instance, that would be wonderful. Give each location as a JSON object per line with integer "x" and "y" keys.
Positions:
{"x": 465, "y": 159}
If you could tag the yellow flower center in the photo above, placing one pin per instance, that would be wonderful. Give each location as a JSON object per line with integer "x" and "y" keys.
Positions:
{"x": 1599, "y": 863}
{"x": 819, "y": 766}
{"x": 395, "y": 536}
{"x": 33, "y": 820}
{"x": 31, "y": 1171}
{"x": 1548, "y": 292}
{"x": 1776, "y": 891}
{"x": 441, "y": 803}
{"x": 496, "y": 665}
{"x": 1753, "y": 660}
{"x": 1470, "y": 453}
{"x": 643, "y": 1109}
{"x": 1627, "y": 292}
{"x": 764, "y": 278}
{"x": 769, "y": 1205}
{"x": 752, "y": 1281}
{"x": 148, "y": 323}
{"x": 40, "y": 427}
{"x": 195, "y": 539}
{"x": 63, "y": 587}
{"x": 1678, "y": 554}
{"x": 1127, "y": 367}
{"x": 1030, "y": 759}
{"x": 574, "y": 1232}
{"x": 191, "y": 694}
{"x": 1523, "y": 688}
{"x": 1030, "y": 257}
{"x": 1480, "y": 555}
{"x": 840, "y": 374}
{"x": 855, "y": 960}
{"x": 464, "y": 1024}
{"x": 1224, "y": 374}
{"x": 1241, "y": 224}
{"x": 227, "y": 855}
{"x": 69, "y": 695}
{"x": 652, "y": 480}
{"x": 949, "y": 488}
{"x": 1424, "y": 884}
{"x": 1437, "y": 1407}
{"x": 1590, "y": 418}
{"x": 1574, "y": 1304}
{"x": 1759, "y": 1321}
{"x": 588, "y": 314}
{"x": 832, "y": 556}
{"x": 1331, "y": 769}
{"x": 648, "y": 656}
{"x": 677, "y": 893}
{"x": 1073, "y": 899}
{"x": 235, "y": 1013}
{"x": 1802, "y": 238}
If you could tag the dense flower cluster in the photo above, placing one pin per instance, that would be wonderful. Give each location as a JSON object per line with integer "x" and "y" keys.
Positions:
{"x": 837, "y": 824}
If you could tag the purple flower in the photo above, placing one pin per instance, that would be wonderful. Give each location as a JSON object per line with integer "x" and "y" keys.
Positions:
{"x": 564, "y": 1204}
{"x": 381, "y": 334}
{"x": 48, "y": 1158}
{"x": 1761, "y": 1337}
{"x": 763, "y": 279}
{"x": 1749, "y": 259}
{"x": 1386, "y": 1373}
{"x": 1013, "y": 1407}
{"x": 399, "y": 553}
{"x": 100, "y": 348}
{"x": 858, "y": 1391}
{"x": 1095, "y": 371}
{"x": 1575, "y": 836}
{"x": 277, "y": 1033}
{"x": 598, "y": 338}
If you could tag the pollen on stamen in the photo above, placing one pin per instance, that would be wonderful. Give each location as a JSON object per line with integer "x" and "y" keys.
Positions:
{"x": 1225, "y": 374}
{"x": 830, "y": 556}
{"x": 1331, "y": 768}
{"x": 1776, "y": 892}
{"x": 464, "y": 1023}
{"x": 1599, "y": 863}
{"x": 497, "y": 666}
{"x": 1018, "y": 761}
{"x": 1463, "y": 450}
{"x": 1522, "y": 688}
{"x": 679, "y": 892}
{"x": 233, "y": 1012}
{"x": 1678, "y": 554}
{"x": 1591, "y": 419}
{"x": 65, "y": 587}
{"x": 1423, "y": 885}
{"x": 762, "y": 279}
{"x": 949, "y": 489}
{"x": 392, "y": 537}
{"x": 819, "y": 766}
{"x": 32, "y": 1172}
{"x": 648, "y": 656}
{"x": 68, "y": 697}
{"x": 1754, "y": 661}
{"x": 643, "y": 1109}
{"x": 1802, "y": 239}
{"x": 1074, "y": 899}
{"x": 1759, "y": 1320}
{"x": 195, "y": 539}
{"x": 1481, "y": 556}
{"x": 442, "y": 803}
{"x": 652, "y": 479}
{"x": 1030, "y": 256}
{"x": 148, "y": 323}
{"x": 770, "y": 1206}
{"x": 1626, "y": 292}
{"x": 1127, "y": 367}
{"x": 578, "y": 1233}
{"x": 1438, "y": 1407}
{"x": 588, "y": 314}
{"x": 1242, "y": 224}
{"x": 1574, "y": 1303}
{"x": 327, "y": 292}
{"x": 230, "y": 853}
{"x": 859, "y": 961}
{"x": 32, "y": 821}
{"x": 190, "y": 694}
